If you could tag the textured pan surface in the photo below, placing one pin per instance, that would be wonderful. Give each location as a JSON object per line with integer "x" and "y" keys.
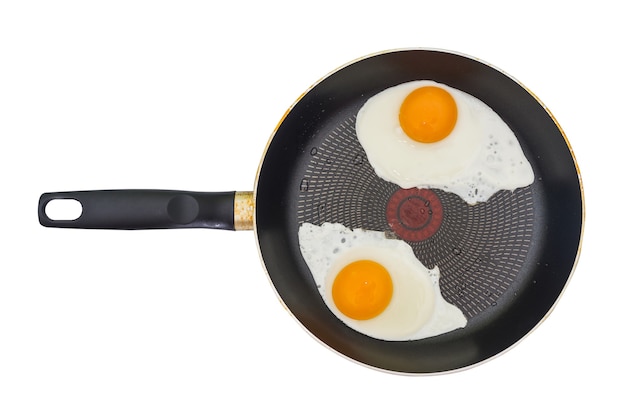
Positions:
{"x": 479, "y": 249}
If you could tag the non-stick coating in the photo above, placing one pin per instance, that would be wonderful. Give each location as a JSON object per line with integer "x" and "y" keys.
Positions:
{"x": 504, "y": 263}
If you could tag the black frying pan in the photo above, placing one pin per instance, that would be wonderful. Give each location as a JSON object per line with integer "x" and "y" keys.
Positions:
{"x": 504, "y": 262}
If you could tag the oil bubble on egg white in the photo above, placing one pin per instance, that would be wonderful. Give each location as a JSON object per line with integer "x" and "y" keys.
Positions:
{"x": 416, "y": 310}
{"x": 479, "y": 157}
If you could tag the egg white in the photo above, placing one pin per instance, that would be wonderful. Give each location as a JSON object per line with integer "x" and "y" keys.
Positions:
{"x": 481, "y": 155}
{"x": 416, "y": 310}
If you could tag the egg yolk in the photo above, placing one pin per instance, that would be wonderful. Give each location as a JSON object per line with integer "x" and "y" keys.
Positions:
{"x": 362, "y": 289}
{"x": 428, "y": 114}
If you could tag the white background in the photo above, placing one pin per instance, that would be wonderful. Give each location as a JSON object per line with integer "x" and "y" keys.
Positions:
{"x": 184, "y": 95}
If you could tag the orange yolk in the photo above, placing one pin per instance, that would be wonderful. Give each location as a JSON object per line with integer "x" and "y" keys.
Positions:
{"x": 362, "y": 289}
{"x": 428, "y": 114}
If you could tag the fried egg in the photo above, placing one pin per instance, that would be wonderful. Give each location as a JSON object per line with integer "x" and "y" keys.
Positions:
{"x": 376, "y": 285}
{"x": 429, "y": 135}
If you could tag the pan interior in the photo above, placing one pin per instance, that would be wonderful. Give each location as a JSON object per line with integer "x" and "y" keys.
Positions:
{"x": 503, "y": 262}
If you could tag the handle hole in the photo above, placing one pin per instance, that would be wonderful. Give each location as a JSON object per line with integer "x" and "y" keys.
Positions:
{"x": 64, "y": 209}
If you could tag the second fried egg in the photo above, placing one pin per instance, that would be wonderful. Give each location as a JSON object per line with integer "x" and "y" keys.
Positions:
{"x": 376, "y": 285}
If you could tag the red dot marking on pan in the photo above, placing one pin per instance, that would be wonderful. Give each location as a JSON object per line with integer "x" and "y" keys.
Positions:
{"x": 414, "y": 214}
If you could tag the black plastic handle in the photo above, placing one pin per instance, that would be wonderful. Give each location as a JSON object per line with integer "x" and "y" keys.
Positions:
{"x": 144, "y": 209}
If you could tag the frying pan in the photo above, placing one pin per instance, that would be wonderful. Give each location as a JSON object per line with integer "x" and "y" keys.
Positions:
{"x": 504, "y": 262}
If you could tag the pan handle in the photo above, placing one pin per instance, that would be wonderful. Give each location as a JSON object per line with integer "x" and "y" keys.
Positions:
{"x": 154, "y": 209}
